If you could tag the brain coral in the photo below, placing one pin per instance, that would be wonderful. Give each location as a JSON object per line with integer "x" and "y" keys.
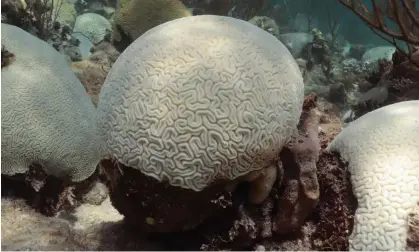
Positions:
{"x": 134, "y": 17}
{"x": 47, "y": 118}
{"x": 200, "y": 98}
{"x": 93, "y": 26}
{"x": 382, "y": 150}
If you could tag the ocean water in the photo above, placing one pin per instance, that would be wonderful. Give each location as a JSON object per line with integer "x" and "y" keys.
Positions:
{"x": 350, "y": 25}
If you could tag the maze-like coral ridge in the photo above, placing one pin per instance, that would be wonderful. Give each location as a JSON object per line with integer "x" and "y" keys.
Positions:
{"x": 382, "y": 150}
{"x": 201, "y": 98}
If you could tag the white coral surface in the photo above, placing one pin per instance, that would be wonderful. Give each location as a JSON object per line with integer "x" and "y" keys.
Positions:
{"x": 382, "y": 151}
{"x": 47, "y": 117}
{"x": 200, "y": 98}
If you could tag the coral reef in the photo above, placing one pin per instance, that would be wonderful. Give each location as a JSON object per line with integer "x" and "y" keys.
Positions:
{"x": 239, "y": 225}
{"x": 318, "y": 52}
{"x": 256, "y": 138}
{"x": 394, "y": 81}
{"x": 208, "y": 143}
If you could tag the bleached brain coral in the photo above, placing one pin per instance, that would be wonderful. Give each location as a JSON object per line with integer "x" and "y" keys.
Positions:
{"x": 200, "y": 98}
{"x": 382, "y": 151}
{"x": 47, "y": 117}
{"x": 93, "y": 26}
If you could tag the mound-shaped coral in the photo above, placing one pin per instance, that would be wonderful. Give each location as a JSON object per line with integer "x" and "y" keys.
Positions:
{"x": 135, "y": 17}
{"x": 382, "y": 152}
{"x": 48, "y": 119}
{"x": 199, "y": 100}
{"x": 94, "y": 26}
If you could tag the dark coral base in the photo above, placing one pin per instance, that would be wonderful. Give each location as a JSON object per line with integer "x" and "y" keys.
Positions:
{"x": 155, "y": 206}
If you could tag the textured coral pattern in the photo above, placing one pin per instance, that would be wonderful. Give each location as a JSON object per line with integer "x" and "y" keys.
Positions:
{"x": 382, "y": 150}
{"x": 47, "y": 118}
{"x": 135, "y": 17}
{"x": 93, "y": 26}
{"x": 201, "y": 98}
